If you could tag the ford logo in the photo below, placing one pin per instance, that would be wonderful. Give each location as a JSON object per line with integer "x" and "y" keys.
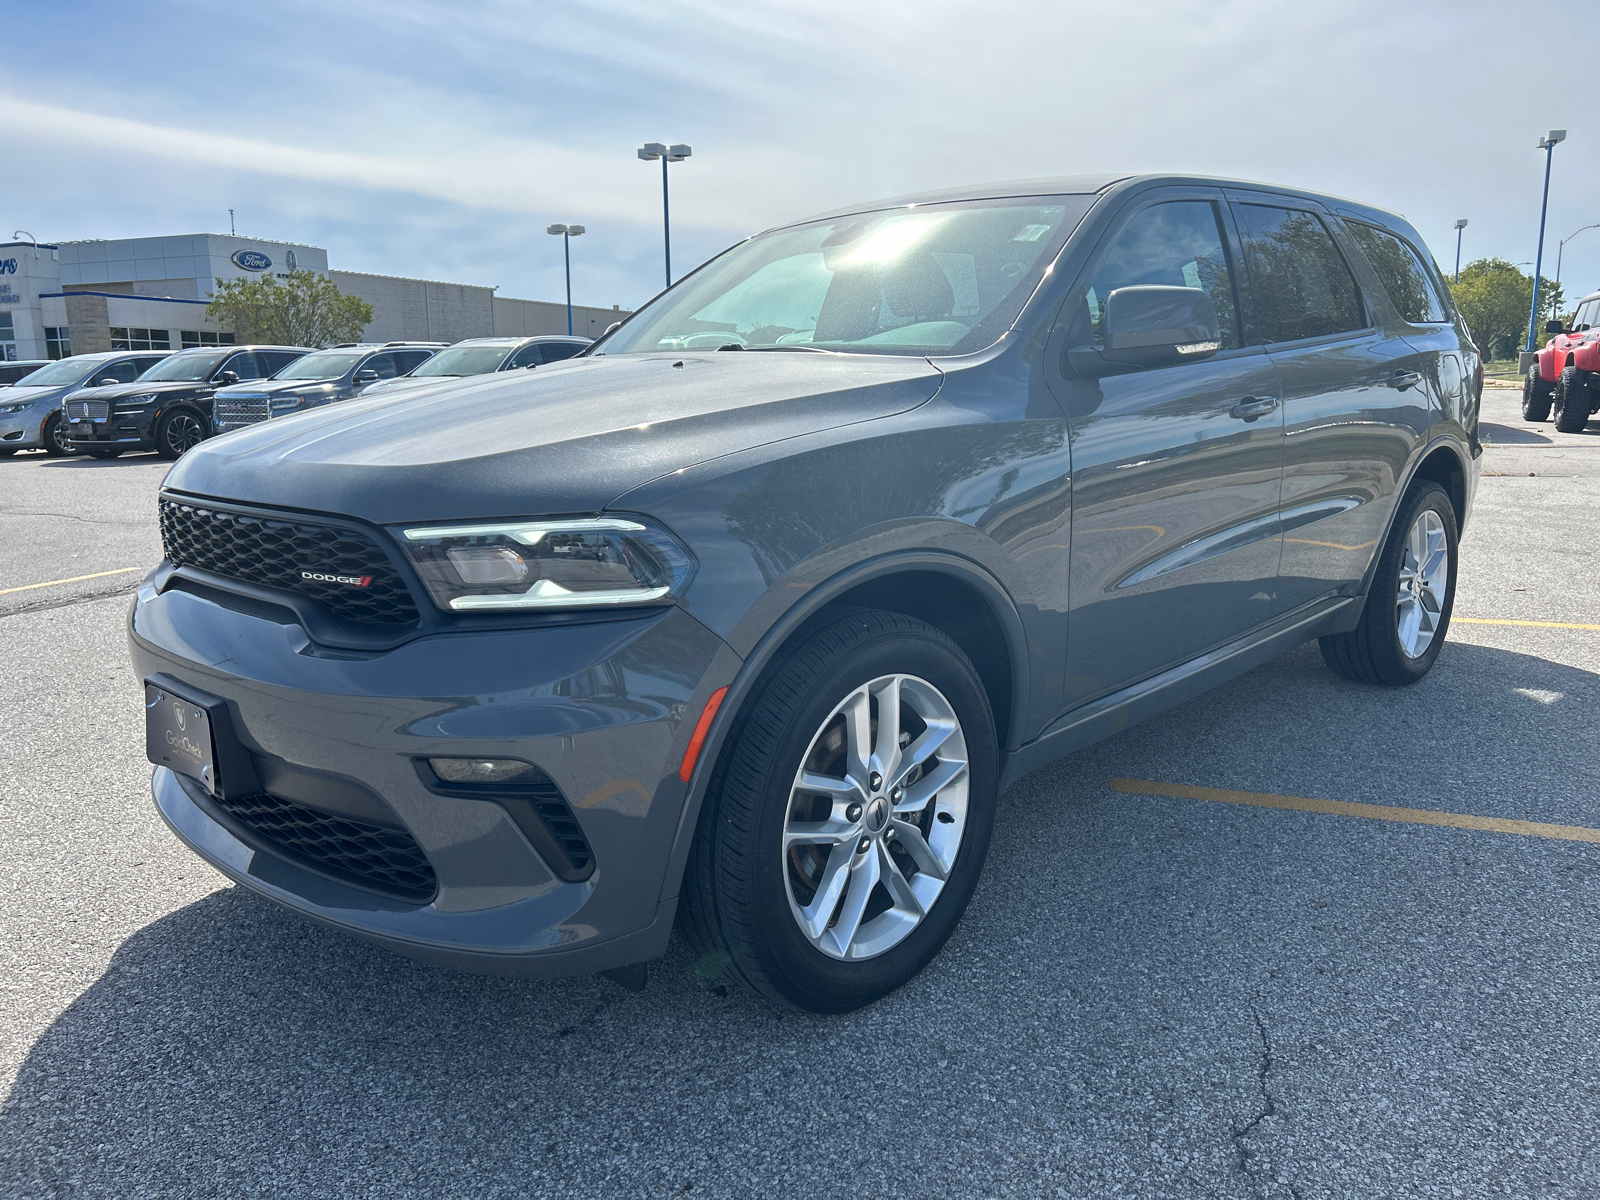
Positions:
{"x": 251, "y": 260}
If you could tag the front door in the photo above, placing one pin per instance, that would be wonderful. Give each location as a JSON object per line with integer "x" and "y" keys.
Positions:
{"x": 1175, "y": 470}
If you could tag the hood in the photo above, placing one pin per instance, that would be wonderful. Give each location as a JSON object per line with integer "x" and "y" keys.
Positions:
{"x": 271, "y": 387}
{"x": 407, "y": 384}
{"x": 17, "y": 394}
{"x": 118, "y": 391}
{"x": 567, "y": 438}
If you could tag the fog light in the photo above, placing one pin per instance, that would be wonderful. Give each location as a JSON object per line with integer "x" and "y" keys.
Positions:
{"x": 479, "y": 770}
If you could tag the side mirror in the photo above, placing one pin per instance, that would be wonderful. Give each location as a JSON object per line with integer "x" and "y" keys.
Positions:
{"x": 366, "y": 377}
{"x": 1153, "y": 326}
{"x": 1554, "y": 327}
{"x": 106, "y": 382}
{"x": 228, "y": 377}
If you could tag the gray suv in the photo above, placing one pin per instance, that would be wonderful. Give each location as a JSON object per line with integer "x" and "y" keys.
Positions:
{"x": 323, "y": 377}
{"x": 744, "y": 618}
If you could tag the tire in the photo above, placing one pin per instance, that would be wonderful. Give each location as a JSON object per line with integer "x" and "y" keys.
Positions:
{"x": 1536, "y": 395}
{"x": 53, "y": 437}
{"x": 101, "y": 453}
{"x": 1384, "y": 647}
{"x": 1572, "y": 401}
{"x": 745, "y": 897}
{"x": 178, "y": 432}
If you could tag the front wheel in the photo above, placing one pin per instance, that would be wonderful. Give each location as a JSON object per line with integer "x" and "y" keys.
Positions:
{"x": 1572, "y": 401}
{"x": 849, "y": 816}
{"x": 179, "y": 432}
{"x": 1403, "y": 626}
{"x": 1535, "y": 396}
{"x": 54, "y": 437}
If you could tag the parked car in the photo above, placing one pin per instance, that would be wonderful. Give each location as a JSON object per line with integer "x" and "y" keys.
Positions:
{"x": 323, "y": 377}
{"x": 168, "y": 408}
{"x": 30, "y": 412}
{"x": 483, "y": 356}
{"x": 15, "y": 370}
{"x": 1566, "y": 373}
{"x": 745, "y": 618}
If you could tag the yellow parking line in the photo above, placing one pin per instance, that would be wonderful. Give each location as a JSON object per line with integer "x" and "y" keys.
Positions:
{"x": 1531, "y": 624}
{"x": 1345, "y": 808}
{"x": 28, "y": 587}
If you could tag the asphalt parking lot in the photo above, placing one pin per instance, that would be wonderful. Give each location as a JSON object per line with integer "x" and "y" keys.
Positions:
{"x": 1151, "y": 995}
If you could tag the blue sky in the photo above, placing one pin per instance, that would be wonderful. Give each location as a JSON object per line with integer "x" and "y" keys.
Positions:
{"x": 438, "y": 140}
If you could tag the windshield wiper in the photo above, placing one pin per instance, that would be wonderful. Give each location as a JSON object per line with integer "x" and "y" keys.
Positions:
{"x": 807, "y": 349}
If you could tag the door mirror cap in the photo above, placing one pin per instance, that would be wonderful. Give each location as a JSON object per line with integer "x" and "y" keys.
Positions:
{"x": 366, "y": 377}
{"x": 1153, "y": 326}
{"x": 228, "y": 377}
{"x": 1554, "y": 327}
{"x": 106, "y": 382}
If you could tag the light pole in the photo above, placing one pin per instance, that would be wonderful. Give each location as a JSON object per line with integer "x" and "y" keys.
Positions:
{"x": 1548, "y": 145}
{"x": 1562, "y": 245}
{"x": 1460, "y": 225}
{"x": 567, "y": 232}
{"x": 651, "y": 151}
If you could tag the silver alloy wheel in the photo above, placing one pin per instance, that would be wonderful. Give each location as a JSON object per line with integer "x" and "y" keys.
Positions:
{"x": 58, "y": 436}
{"x": 1424, "y": 583}
{"x": 183, "y": 433}
{"x": 875, "y": 818}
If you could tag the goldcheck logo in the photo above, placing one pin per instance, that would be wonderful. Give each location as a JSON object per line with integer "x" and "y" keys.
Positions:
{"x": 350, "y": 580}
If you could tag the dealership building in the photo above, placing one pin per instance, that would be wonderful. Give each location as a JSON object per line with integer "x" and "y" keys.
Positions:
{"x": 152, "y": 293}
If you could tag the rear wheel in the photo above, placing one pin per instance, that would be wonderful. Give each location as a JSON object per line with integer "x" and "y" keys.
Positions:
{"x": 1535, "y": 396}
{"x": 54, "y": 437}
{"x": 1403, "y": 626}
{"x": 179, "y": 432}
{"x": 1572, "y": 401}
{"x": 849, "y": 817}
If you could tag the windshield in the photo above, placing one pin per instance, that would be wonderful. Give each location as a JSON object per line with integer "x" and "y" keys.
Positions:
{"x": 329, "y": 364}
{"x": 67, "y": 370}
{"x": 464, "y": 360}
{"x": 184, "y": 368}
{"x": 935, "y": 279}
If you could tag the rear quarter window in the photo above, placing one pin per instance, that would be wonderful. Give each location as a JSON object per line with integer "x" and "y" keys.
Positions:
{"x": 1399, "y": 268}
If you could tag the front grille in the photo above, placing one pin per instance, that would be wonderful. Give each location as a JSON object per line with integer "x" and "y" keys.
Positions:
{"x": 93, "y": 410}
{"x": 278, "y": 552}
{"x": 235, "y": 412}
{"x": 382, "y": 860}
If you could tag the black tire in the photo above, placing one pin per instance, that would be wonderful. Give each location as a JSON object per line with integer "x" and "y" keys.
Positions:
{"x": 735, "y": 908}
{"x": 53, "y": 437}
{"x": 1536, "y": 396}
{"x": 1372, "y": 652}
{"x": 1572, "y": 401}
{"x": 101, "y": 452}
{"x": 178, "y": 432}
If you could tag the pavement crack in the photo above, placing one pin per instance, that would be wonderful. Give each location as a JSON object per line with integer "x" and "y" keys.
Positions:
{"x": 1269, "y": 1108}
{"x": 42, "y": 605}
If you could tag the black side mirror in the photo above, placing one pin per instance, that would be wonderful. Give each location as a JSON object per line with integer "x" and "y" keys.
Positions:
{"x": 1554, "y": 327}
{"x": 1153, "y": 326}
{"x": 228, "y": 377}
{"x": 366, "y": 377}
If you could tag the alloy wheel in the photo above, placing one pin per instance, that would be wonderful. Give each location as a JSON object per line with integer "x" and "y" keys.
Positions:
{"x": 876, "y": 815}
{"x": 183, "y": 433}
{"x": 57, "y": 434}
{"x": 1424, "y": 583}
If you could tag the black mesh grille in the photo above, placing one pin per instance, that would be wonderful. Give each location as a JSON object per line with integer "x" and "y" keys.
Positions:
{"x": 383, "y": 860}
{"x": 551, "y": 806}
{"x": 279, "y": 552}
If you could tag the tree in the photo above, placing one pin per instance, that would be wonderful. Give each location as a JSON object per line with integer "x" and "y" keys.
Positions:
{"x": 1494, "y": 296}
{"x": 305, "y": 309}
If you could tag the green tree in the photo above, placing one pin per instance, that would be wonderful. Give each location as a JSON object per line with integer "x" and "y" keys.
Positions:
{"x": 1493, "y": 295}
{"x": 304, "y": 309}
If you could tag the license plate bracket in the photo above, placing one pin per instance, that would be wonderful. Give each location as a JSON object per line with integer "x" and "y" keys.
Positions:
{"x": 191, "y": 733}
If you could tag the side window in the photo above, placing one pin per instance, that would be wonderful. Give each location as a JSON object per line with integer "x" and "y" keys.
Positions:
{"x": 1179, "y": 244}
{"x": 244, "y": 366}
{"x": 410, "y": 360}
{"x": 1586, "y": 315}
{"x": 276, "y": 360}
{"x": 1401, "y": 272}
{"x": 142, "y": 365}
{"x": 556, "y": 351}
{"x": 124, "y": 370}
{"x": 528, "y": 356}
{"x": 383, "y": 364}
{"x": 1301, "y": 285}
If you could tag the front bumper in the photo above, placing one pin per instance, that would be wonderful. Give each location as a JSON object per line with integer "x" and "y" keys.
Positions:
{"x": 604, "y": 709}
{"x": 21, "y": 431}
{"x": 122, "y": 431}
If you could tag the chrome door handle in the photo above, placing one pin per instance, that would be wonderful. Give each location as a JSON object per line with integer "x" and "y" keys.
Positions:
{"x": 1252, "y": 408}
{"x": 1401, "y": 380}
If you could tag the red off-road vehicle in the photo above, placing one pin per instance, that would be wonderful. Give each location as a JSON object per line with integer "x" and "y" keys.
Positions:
{"x": 1567, "y": 373}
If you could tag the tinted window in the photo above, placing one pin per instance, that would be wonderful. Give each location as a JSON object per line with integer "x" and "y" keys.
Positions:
{"x": 244, "y": 366}
{"x": 528, "y": 356}
{"x": 144, "y": 364}
{"x": 556, "y": 351}
{"x": 1401, "y": 272}
{"x": 410, "y": 360}
{"x": 124, "y": 370}
{"x": 1301, "y": 285}
{"x": 1178, "y": 244}
{"x": 274, "y": 361}
{"x": 383, "y": 364}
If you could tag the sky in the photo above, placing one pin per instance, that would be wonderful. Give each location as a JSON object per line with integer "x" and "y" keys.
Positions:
{"x": 438, "y": 140}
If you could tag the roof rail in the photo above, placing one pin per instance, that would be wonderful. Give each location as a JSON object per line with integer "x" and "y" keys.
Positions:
{"x": 342, "y": 345}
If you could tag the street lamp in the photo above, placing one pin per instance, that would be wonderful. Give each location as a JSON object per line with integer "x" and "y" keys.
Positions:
{"x": 1548, "y": 145}
{"x": 567, "y": 232}
{"x": 651, "y": 151}
{"x": 1562, "y": 245}
{"x": 1460, "y": 225}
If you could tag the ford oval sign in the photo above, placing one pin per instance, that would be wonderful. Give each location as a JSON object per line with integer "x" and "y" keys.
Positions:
{"x": 251, "y": 260}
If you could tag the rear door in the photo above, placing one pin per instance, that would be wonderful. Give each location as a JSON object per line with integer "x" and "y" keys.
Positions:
{"x": 409, "y": 360}
{"x": 1175, "y": 470}
{"x": 1356, "y": 395}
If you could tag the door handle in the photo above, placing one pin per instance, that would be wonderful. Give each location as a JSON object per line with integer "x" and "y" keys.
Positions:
{"x": 1253, "y": 408}
{"x": 1401, "y": 380}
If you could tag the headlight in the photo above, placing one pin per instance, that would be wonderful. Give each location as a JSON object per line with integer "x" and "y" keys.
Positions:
{"x": 12, "y": 408}
{"x": 287, "y": 402}
{"x": 548, "y": 564}
{"x": 141, "y": 399}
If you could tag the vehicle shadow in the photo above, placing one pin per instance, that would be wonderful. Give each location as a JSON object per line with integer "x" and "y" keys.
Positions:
{"x": 1118, "y": 970}
{"x": 1510, "y": 435}
{"x": 81, "y": 461}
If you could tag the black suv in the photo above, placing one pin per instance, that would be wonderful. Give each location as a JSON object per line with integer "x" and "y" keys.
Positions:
{"x": 168, "y": 408}
{"x": 323, "y": 377}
